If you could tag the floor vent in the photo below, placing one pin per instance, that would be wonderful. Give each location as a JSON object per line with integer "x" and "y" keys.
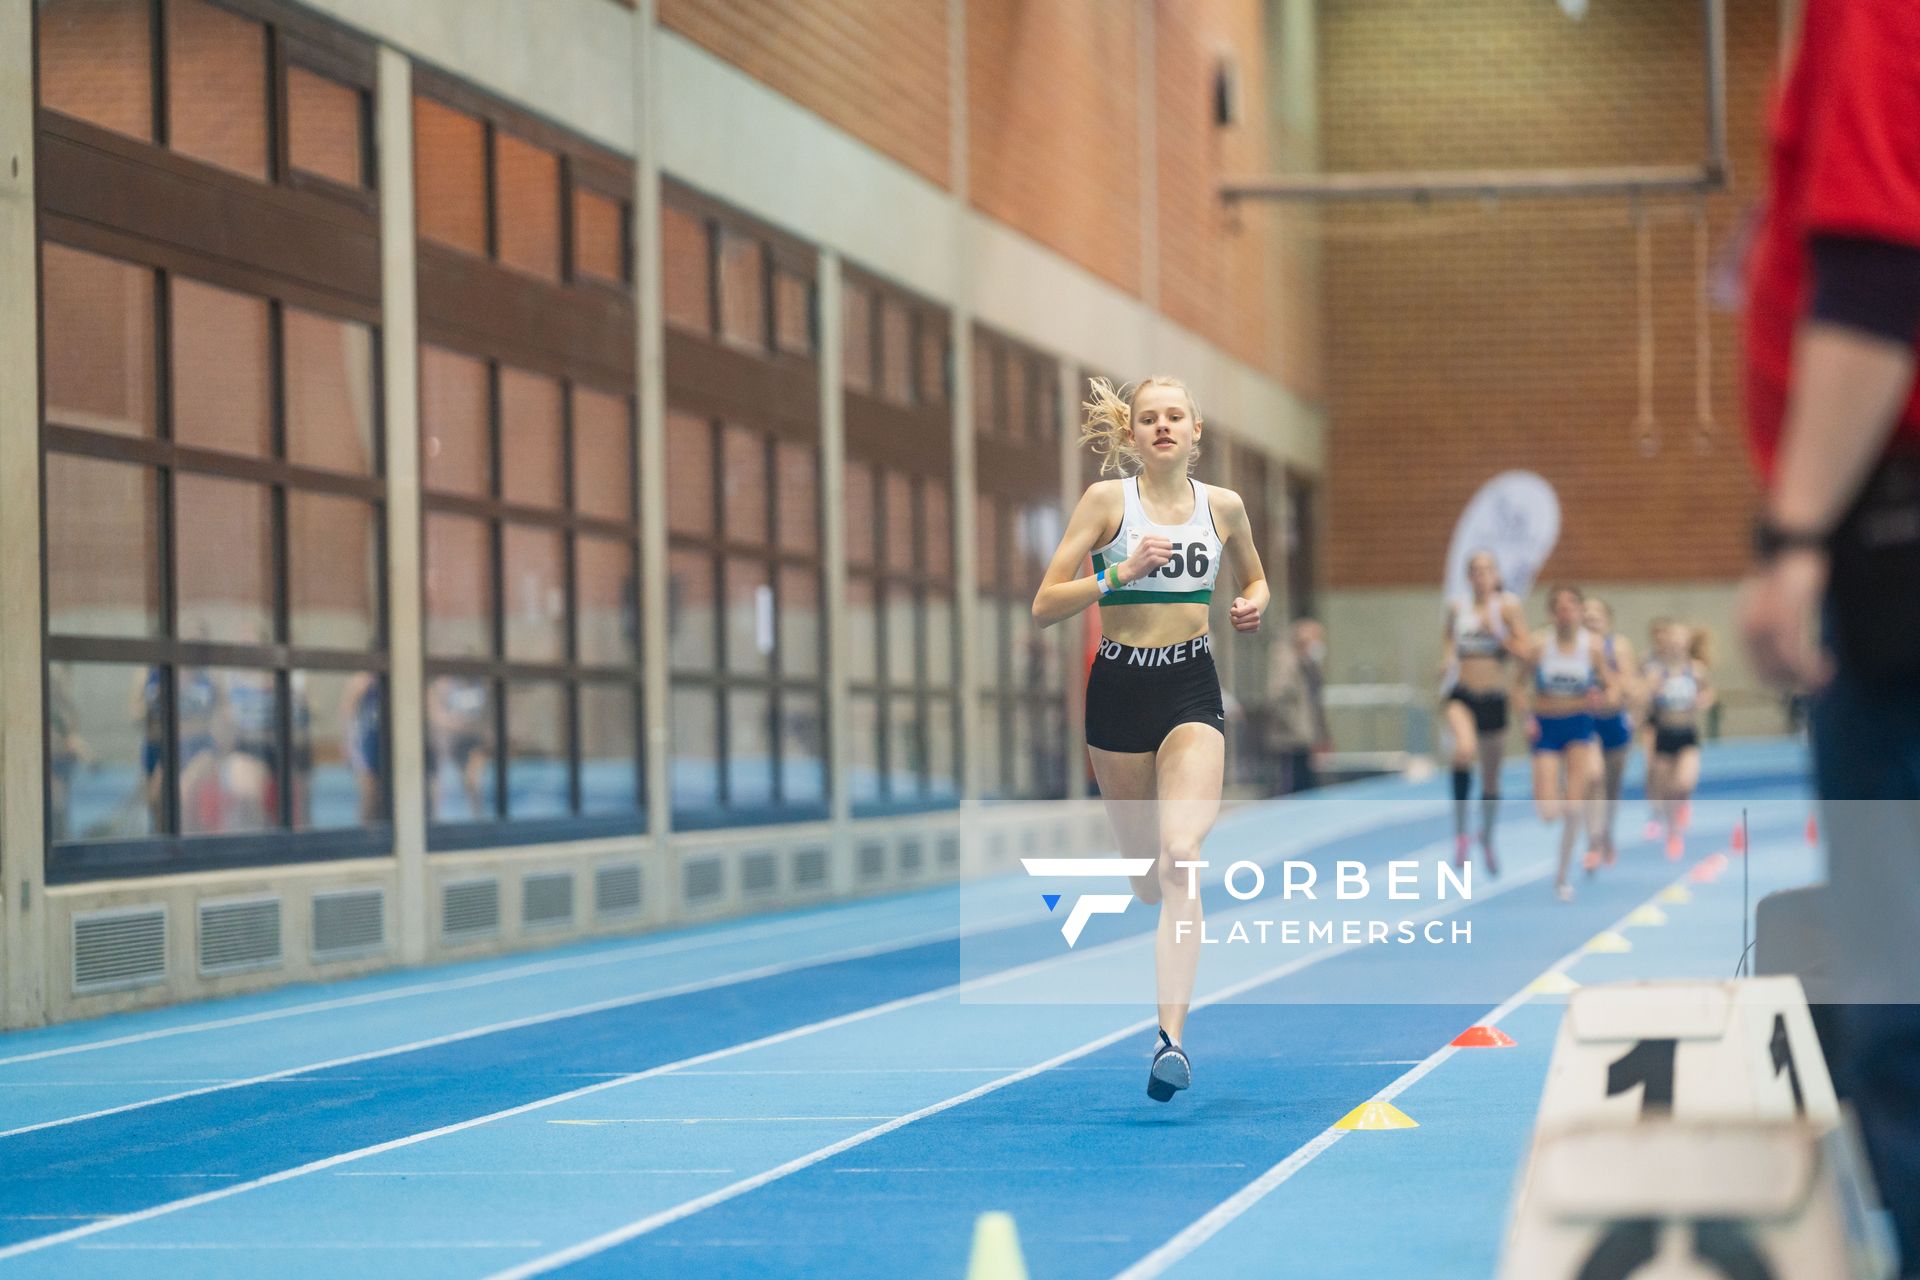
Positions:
{"x": 469, "y": 909}
{"x": 703, "y": 880}
{"x": 122, "y": 948}
{"x": 616, "y": 890}
{"x": 546, "y": 899}
{"x": 759, "y": 873}
{"x": 913, "y": 856}
{"x": 873, "y": 860}
{"x": 349, "y": 922}
{"x": 809, "y": 868}
{"x": 238, "y": 935}
{"x": 947, "y": 852}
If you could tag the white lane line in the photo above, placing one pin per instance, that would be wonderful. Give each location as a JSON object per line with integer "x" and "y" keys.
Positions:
{"x": 187, "y": 1246}
{"x": 859, "y": 1015}
{"x": 716, "y": 1119}
{"x": 1214, "y": 1220}
{"x": 539, "y": 1104}
{"x": 102, "y": 1083}
{"x": 1024, "y": 1168}
{"x": 857, "y": 1071}
{"x": 968, "y": 930}
{"x": 531, "y": 1020}
{"x": 562, "y": 964}
{"x": 666, "y": 1217}
{"x": 500, "y": 1173}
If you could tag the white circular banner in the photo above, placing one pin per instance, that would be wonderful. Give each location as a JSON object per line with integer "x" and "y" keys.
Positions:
{"x": 1516, "y": 516}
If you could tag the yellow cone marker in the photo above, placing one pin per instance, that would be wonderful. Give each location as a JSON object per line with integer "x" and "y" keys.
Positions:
{"x": 1377, "y": 1115}
{"x": 1552, "y": 983}
{"x": 1677, "y": 894}
{"x": 1608, "y": 943}
{"x": 1647, "y": 917}
{"x": 996, "y": 1249}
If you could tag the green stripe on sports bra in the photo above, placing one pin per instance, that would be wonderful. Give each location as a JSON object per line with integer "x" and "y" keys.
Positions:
{"x": 1127, "y": 595}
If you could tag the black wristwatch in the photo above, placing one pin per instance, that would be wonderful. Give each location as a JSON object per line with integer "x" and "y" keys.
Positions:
{"x": 1771, "y": 541}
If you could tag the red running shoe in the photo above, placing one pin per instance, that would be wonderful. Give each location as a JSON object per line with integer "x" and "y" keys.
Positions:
{"x": 1460, "y": 850}
{"x": 1676, "y": 847}
{"x": 1486, "y": 851}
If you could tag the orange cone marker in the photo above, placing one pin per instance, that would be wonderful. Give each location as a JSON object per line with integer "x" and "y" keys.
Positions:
{"x": 1813, "y": 831}
{"x": 1483, "y": 1037}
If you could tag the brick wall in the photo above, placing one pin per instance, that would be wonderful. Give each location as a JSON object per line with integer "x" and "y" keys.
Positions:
{"x": 1218, "y": 265}
{"x": 1053, "y": 124}
{"x": 876, "y": 68}
{"x": 1463, "y": 341}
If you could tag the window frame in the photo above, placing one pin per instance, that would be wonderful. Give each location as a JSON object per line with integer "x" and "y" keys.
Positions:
{"x": 501, "y": 672}
{"x": 135, "y": 200}
{"x": 1025, "y": 475}
{"x": 774, "y": 393}
{"x": 581, "y": 333}
{"x": 914, "y": 441}
{"x": 166, "y": 460}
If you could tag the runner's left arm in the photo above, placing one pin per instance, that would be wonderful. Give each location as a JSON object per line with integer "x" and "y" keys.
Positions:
{"x": 1243, "y": 558}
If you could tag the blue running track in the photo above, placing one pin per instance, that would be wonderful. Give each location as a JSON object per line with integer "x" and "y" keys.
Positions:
{"x": 836, "y": 1091}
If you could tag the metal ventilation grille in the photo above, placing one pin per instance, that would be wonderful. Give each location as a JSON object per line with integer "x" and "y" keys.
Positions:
{"x": 947, "y": 852}
{"x": 114, "y": 949}
{"x": 349, "y": 922}
{"x": 704, "y": 880}
{"x": 546, "y": 899}
{"x": 809, "y": 868}
{"x": 239, "y": 935}
{"x": 759, "y": 873}
{"x": 913, "y": 856}
{"x": 873, "y": 860}
{"x": 469, "y": 909}
{"x": 616, "y": 890}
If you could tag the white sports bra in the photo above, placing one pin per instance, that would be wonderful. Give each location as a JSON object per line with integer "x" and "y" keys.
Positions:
{"x": 1676, "y": 689}
{"x": 1187, "y": 578}
{"x": 1566, "y": 675}
{"x": 1476, "y": 635}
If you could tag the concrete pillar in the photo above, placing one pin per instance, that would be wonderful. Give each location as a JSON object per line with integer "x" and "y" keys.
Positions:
{"x": 833, "y": 549}
{"x": 400, "y": 346}
{"x": 652, "y": 370}
{"x": 22, "y": 734}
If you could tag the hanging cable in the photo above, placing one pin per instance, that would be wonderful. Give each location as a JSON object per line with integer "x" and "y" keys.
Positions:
{"x": 1646, "y": 429}
{"x": 1703, "y": 425}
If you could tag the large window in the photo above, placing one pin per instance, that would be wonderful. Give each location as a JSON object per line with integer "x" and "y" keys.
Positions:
{"x": 904, "y": 730}
{"x": 746, "y": 628}
{"x": 1019, "y": 520}
{"x": 528, "y": 478}
{"x": 215, "y": 505}
{"x": 215, "y": 631}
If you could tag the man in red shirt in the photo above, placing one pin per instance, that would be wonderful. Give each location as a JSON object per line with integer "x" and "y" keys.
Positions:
{"x": 1833, "y": 316}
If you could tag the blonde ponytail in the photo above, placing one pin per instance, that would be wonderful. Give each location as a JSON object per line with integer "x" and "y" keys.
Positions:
{"x": 1106, "y": 426}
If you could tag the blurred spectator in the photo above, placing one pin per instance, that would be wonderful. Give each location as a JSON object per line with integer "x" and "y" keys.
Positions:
{"x": 1296, "y": 705}
{"x": 1832, "y": 317}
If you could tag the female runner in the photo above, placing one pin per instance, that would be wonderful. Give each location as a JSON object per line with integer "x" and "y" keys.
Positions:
{"x": 1569, "y": 669}
{"x": 1613, "y": 726}
{"x": 1155, "y": 720}
{"x": 1679, "y": 688}
{"x": 1480, "y": 634}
